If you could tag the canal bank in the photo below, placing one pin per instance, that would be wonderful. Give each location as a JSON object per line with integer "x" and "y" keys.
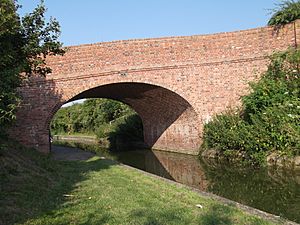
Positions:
{"x": 39, "y": 190}
{"x": 73, "y": 154}
{"x": 272, "y": 190}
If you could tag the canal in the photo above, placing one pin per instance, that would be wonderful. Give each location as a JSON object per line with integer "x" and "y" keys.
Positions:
{"x": 271, "y": 190}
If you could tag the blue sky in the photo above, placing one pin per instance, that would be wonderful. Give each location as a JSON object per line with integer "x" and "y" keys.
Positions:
{"x": 90, "y": 21}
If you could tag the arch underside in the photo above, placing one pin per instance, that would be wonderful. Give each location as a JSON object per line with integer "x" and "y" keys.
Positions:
{"x": 169, "y": 121}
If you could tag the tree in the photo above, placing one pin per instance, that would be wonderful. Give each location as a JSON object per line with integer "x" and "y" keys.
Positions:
{"x": 286, "y": 12}
{"x": 11, "y": 59}
{"x": 24, "y": 45}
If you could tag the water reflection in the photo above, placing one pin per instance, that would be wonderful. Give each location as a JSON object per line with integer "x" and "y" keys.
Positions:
{"x": 271, "y": 190}
{"x": 182, "y": 168}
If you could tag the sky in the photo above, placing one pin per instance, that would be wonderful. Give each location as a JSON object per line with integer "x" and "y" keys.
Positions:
{"x": 91, "y": 21}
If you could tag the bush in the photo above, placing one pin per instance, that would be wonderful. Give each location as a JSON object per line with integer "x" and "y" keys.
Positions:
{"x": 286, "y": 12}
{"x": 223, "y": 133}
{"x": 127, "y": 132}
{"x": 265, "y": 93}
{"x": 103, "y": 131}
{"x": 270, "y": 117}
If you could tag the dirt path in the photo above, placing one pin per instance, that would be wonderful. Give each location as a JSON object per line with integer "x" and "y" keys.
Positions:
{"x": 69, "y": 154}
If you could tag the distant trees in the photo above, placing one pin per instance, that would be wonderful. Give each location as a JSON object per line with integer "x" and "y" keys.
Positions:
{"x": 105, "y": 118}
{"x": 88, "y": 116}
{"x": 24, "y": 44}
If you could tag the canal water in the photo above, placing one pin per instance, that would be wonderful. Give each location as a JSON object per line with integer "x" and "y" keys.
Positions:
{"x": 271, "y": 190}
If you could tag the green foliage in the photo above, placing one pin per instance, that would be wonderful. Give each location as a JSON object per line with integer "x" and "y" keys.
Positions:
{"x": 270, "y": 119}
{"x": 104, "y": 130}
{"x": 88, "y": 117}
{"x": 286, "y": 12}
{"x": 103, "y": 117}
{"x": 11, "y": 58}
{"x": 40, "y": 40}
{"x": 221, "y": 132}
{"x": 24, "y": 44}
{"x": 128, "y": 130}
{"x": 273, "y": 107}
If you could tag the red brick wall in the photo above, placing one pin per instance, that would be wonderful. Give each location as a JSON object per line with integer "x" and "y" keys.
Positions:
{"x": 176, "y": 84}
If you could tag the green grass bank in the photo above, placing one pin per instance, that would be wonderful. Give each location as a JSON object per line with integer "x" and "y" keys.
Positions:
{"x": 35, "y": 189}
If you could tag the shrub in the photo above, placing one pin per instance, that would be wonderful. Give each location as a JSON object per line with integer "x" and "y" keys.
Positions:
{"x": 223, "y": 133}
{"x": 270, "y": 117}
{"x": 103, "y": 131}
{"x": 286, "y": 12}
{"x": 127, "y": 131}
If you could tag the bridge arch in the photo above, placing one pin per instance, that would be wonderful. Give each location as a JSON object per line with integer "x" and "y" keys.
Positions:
{"x": 169, "y": 121}
{"x": 192, "y": 77}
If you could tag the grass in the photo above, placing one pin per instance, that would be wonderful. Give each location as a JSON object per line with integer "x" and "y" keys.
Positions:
{"x": 37, "y": 190}
{"x": 92, "y": 135}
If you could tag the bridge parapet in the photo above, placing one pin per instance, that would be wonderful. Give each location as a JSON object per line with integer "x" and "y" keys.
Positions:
{"x": 197, "y": 50}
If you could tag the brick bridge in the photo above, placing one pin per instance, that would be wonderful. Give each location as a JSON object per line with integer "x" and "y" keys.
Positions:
{"x": 175, "y": 84}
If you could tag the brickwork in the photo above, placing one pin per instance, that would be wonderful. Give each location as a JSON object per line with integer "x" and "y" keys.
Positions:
{"x": 176, "y": 84}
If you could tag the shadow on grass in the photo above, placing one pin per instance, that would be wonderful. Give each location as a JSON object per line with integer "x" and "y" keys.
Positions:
{"x": 149, "y": 216}
{"x": 224, "y": 215}
{"x": 217, "y": 214}
{"x": 33, "y": 184}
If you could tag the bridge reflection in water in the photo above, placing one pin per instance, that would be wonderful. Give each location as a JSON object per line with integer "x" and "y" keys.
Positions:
{"x": 184, "y": 169}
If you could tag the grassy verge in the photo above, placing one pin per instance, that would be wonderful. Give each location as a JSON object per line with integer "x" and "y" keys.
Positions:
{"x": 91, "y": 135}
{"x": 37, "y": 190}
